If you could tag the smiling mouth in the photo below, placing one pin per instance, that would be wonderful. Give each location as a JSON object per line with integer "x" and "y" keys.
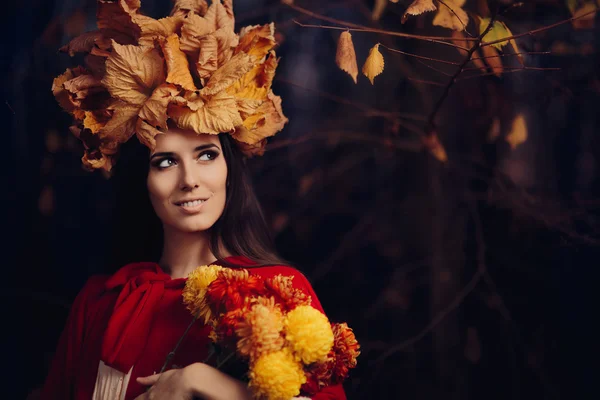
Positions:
{"x": 191, "y": 203}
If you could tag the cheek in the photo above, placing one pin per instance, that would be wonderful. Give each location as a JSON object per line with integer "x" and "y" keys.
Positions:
{"x": 157, "y": 189}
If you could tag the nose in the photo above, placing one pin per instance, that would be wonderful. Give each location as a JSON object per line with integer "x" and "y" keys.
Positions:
{"x": 188, "y": 179}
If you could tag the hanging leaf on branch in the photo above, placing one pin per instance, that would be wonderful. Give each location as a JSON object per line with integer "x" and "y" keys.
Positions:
{"x": 434, "y": 146}
{"x": 499, "y": 31}
{"x": 374, "y": 64}
{"x": 345, "y": 57}
{"x": 418, "y": 7}
{"x": 451, "y": 15}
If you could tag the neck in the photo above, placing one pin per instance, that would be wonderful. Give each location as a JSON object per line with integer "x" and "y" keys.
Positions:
{"x": 183, "y": 252}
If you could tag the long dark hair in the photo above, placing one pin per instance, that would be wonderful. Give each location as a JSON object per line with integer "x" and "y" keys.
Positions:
{"x": 138, "y": 236}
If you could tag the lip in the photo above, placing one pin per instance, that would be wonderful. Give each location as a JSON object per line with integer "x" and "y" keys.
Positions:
{"x": 193, "y": 209}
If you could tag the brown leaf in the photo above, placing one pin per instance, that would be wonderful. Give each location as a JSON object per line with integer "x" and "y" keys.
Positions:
{"x": 257, "y": 40}
{"x": 266, "y": 122}
{"x": 220, "y": 15}
{"x": 152, "y": 28}
{"x": 96, "y": 120}
{"x": 374, "y": 64}
{"x": 60, "y": 93}
{"x": 146, "y": 133}
{"x": 193, "y": 30}
{"x": 450, "y": 15}
{"x": 218, "y": 114}
{"x": 493, "y": 60}
{"x": 117, "y": 16}
{"x": 418, "y": 7}
{"x": 345, "y": 56}
{"x": 227, "y": 41}
{"x": 154, "y": 110}
{"x": 185, "y": 6}
{"x": 228, "y": 74}
{"x": 133, "y": 72}
{"x": 122, "y": 124}
{"x": 178, "y": 69}
{"x": 208, "y": 59}
{"x": 251, "y": 150}
{"x": 434, "y": 146}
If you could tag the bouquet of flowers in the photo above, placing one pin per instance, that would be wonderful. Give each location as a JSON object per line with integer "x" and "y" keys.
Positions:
{"x": 285, "y": 344}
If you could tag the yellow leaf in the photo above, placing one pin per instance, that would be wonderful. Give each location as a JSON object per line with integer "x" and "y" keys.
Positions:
{"x": 499, "y": 31}
{"x": 228, "y": 74}
{"x": 216, "y": 115}
{"x": 518, "y": 132}
{"x": 133, "y": 72}
{"x": 95, "y": 120}
{"x": 154, "y": 110}
{"x": 450, "y": 15}
{"x": 378, "y": 9}
{"x": 345, "y": 56}
{"x": 256, "y": 83}
{"x": 418, "y": 7}
{"x": 434, "y": 146}
{"x": 178, "y": 69}
{"x": 374, "y": 64}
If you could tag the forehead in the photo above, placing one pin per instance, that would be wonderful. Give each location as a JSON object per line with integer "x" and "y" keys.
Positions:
{"x": 181, "y": 140}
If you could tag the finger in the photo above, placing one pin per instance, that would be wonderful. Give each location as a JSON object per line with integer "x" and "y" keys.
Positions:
{"x": 148, "y": 380}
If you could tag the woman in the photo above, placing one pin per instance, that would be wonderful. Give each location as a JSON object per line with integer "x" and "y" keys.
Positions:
{"x": 199, "y": 97}
{"x": 121, "y": 328}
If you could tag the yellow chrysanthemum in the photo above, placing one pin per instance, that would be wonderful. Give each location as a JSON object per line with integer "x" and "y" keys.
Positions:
{"x": 309, "y": 333}
{"x": 260, "y": 331}
{"x": 276, "y": 376}
{"x": 194, "y": 293}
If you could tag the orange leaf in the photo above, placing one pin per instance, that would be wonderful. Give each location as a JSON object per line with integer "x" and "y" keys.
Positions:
{"x": 185, "y": 6}
{"x": 257, "y": 40}
{"x": 216, "y": 115}
{"x": 518, "y": 132}
{"x": 133, "y": 72}
{"x": 228, "y": 74}
{"x": 434, "y": 146}
{"x": 152, "y": 28}
{"x": 220, "y": 15}
{"x": 208, "y": 59}
{"x": 345, "y": 56}
{"x": 154, "y": 110}
{"x": 266, "y": 122}
{"x": 193, "y": 30}
{"x": 178, "y": 69}
{"x": 146, "y": 133}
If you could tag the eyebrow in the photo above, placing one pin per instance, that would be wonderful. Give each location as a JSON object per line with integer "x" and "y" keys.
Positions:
{"x": 198, "y": 148}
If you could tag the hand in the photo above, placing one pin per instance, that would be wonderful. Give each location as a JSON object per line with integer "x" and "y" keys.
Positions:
{"x": 196, "y": 380}
{"x": 174, "y": 384}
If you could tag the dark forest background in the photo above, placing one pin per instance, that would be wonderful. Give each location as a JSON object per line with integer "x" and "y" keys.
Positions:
{"x": 465, "y": 279}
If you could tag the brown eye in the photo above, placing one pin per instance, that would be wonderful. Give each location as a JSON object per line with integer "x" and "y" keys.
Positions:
{"x": 208, "y": 156}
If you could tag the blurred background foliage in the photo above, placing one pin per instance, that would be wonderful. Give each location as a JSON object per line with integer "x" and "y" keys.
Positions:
{"x": 455, "y": 275}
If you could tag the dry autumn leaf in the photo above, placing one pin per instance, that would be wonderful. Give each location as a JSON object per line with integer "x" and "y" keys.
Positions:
{"x": 154, "y": 110}
{"x": 220, "y": 15}
{"x": 228, "y": 74}
{"x": 451, "y": 15}
{"x": 217, "y": 114}
{"x": 268, "y": 119}
{"x": 152, "y": 28}
{"x": 133, "y": 72}
{"x": 178, "y": 69}
{"x": 418, "y": 7}
{"x": 257, "y": 40}
{"x": 345, "y": 57}
{"x": 185, "y": 6}
{"x": 518, "y": 132}
{"x": 374, "y": 64}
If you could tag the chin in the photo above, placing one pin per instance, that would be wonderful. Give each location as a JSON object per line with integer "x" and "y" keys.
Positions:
{"x": 194, "y": 225}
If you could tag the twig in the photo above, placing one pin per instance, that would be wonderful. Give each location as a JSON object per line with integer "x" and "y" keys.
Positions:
{"x": 467, "y": 59}
{"x": 418, "y": 56}
{"x": 436, "y": 320}
{"x": 425, "y": 82}
{"x": 527, "y": 53}
{"x": 431, "y": 39}
{"x": 433, "y": 68}
{"x": 172, "y": 353}
{"x": 520, "y": 69}
{"x": 509, "y": 71}
{"x": 534, "y": 31}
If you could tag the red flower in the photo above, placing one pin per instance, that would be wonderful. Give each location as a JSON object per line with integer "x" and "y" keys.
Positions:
{"x": 346, "y": 350}
{"x": 232, "y": 286}
{"x": 282, "y": 290}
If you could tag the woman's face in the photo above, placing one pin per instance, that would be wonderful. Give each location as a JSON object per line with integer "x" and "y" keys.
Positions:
{"x": 187, "y": 180}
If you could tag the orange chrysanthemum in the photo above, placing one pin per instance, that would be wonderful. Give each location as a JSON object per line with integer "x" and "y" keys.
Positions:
{"x": 260, "y": 329}
{"x": 285, "y": 294}
{"x": 346, "y": 350}
{"x": 232, "y": 286}
{"x": 318, "y": 375}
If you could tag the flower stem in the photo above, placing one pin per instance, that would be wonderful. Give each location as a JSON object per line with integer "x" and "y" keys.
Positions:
{"x": 172, "y": 353}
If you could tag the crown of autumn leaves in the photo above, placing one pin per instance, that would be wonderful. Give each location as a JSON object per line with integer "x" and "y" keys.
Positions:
{"x": 189, "y": 68}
